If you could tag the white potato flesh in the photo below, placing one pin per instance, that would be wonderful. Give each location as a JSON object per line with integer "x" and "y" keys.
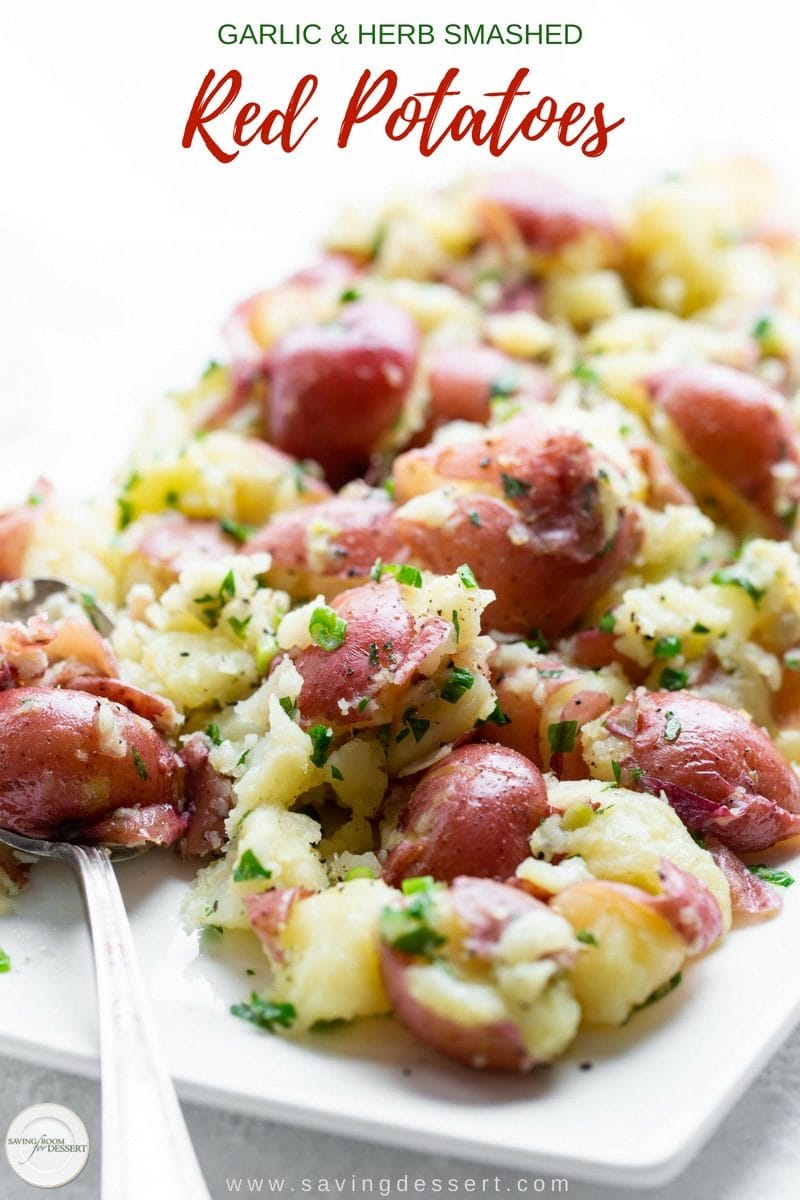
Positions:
{"x": 635, "y": 951}
{"x": 331, "y": 969}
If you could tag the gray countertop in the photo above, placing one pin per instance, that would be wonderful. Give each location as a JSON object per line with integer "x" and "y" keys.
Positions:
{"x": 755, "y": 1154}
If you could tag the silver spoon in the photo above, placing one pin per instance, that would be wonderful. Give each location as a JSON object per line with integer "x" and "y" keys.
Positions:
{"x": 147, "y": 1150}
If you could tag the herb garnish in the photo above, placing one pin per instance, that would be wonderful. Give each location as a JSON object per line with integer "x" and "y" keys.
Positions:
{"x": 264, "y": 1013}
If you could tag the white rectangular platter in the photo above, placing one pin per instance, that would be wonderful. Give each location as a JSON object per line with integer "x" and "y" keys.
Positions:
{"x": 656, "y": 1089}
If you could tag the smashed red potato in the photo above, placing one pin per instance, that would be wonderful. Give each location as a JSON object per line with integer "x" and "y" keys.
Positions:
{"x": 473, "y": 813}
{"x": 456, "y": 619}
{"x": 68, "y": 760}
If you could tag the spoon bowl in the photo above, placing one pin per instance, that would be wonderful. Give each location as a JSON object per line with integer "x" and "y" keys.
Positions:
{"x": 24, "y": 598}
{"x": 146, "y": 1146}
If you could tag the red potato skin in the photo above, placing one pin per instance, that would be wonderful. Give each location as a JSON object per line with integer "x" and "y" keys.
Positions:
{"x": 593, "y": 649}
{"x": 155, "y": 824}
{"x": 738, "y": 427}
{"x": 664, "y": 487}
{"x": 544, "y": 549}
{"x": 55, "y": 776}
{"x": 242, "y": 332}
{"x": 535, "y": 588}
{"x": 749, "y": 894}
{"x": 523, "y": 730}
{"x": 365, "y": 532}
{"x": 472, "y": 813}
{"x": 546, "y": 215}
{"x": 524, "y": 713}
{"x": 463, "y": 379}
{"x": 493, "y": 1047}
{"x": 152, "y": 708}
{"x": 335, "y": 390}
{"x": 268, "y": 913}
{"x": 487, "y": 908}
{"x": 721, "y": 773}
{"x": 689, "y": 906}
{"x": 174, "y": 541}
{"x": 375, "y": 615}
{"x": 209, "y": 798}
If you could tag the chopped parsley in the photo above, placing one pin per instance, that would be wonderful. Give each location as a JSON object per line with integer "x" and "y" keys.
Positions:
{"x": 227, "y": 589}
{"x": 456, "y": 625}
{"x": 410, "y": 576}
{"x": 416, "y": 883}
{"x": 561, "y": 736}
{"x": 141, "y": 769}
{"x": 288, "y": 705}
{"x": 584, "y": 373}
{"x": 362, "y": 704}
{"x": 466, "y": 575}
{"x": 383, "y": 733}
{"x": 242, "y": 759}
{"x": 336, "y": 774}
{"x": 699, "y": 627}
{"x": 474, "y": 519}
{"x": 321, "y": 739}
{"x": 459, "y": 682}
{"x": 763, "y": 328}
{"x": 672, "y": 680}
{"x": 410, "y": 929}
{"x": 672, "y": 728}
{"x": 124, "y": 512}
{"x": 771, "y": 875}
{"x": 238, "y": 531}
{"x": 265, "y": 1014}
{"x": 172, "y": 498}
{"x": 374, "y": 661}
{"x": 733, "y": 577}
{"x": 537, "y": 641}
{"x": 212, "y": 605}
{"x": 496, "y": 716}
{"x": 213, "y": 734}
{"x": 5, "y": 963}
{"x": 587, "y": 937}
{"x": 349, "y": 295}
{"x": 667, "y": 647}
{"x": 239, "y": 625}
{"x": 417, "y": 725}
{"x": 326, "y": 629}
{"x": 358, "y": 873}
{"x": 617, "y": 772}
{"x": 658, "y": 994}
{"x": 606, "y": 622}
{"x": 403, "y": 573}
{"x": 250, "y": 867}
{"x": 513, "y": 487}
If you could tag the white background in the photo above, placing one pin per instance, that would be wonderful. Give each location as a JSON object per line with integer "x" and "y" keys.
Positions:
{"x": 121, "y": 253}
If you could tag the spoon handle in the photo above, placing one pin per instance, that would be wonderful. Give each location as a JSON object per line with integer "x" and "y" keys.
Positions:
{"x": 146, "y": 1146}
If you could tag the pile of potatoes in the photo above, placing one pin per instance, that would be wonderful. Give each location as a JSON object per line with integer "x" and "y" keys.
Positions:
{"x": 457, "y": 614}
